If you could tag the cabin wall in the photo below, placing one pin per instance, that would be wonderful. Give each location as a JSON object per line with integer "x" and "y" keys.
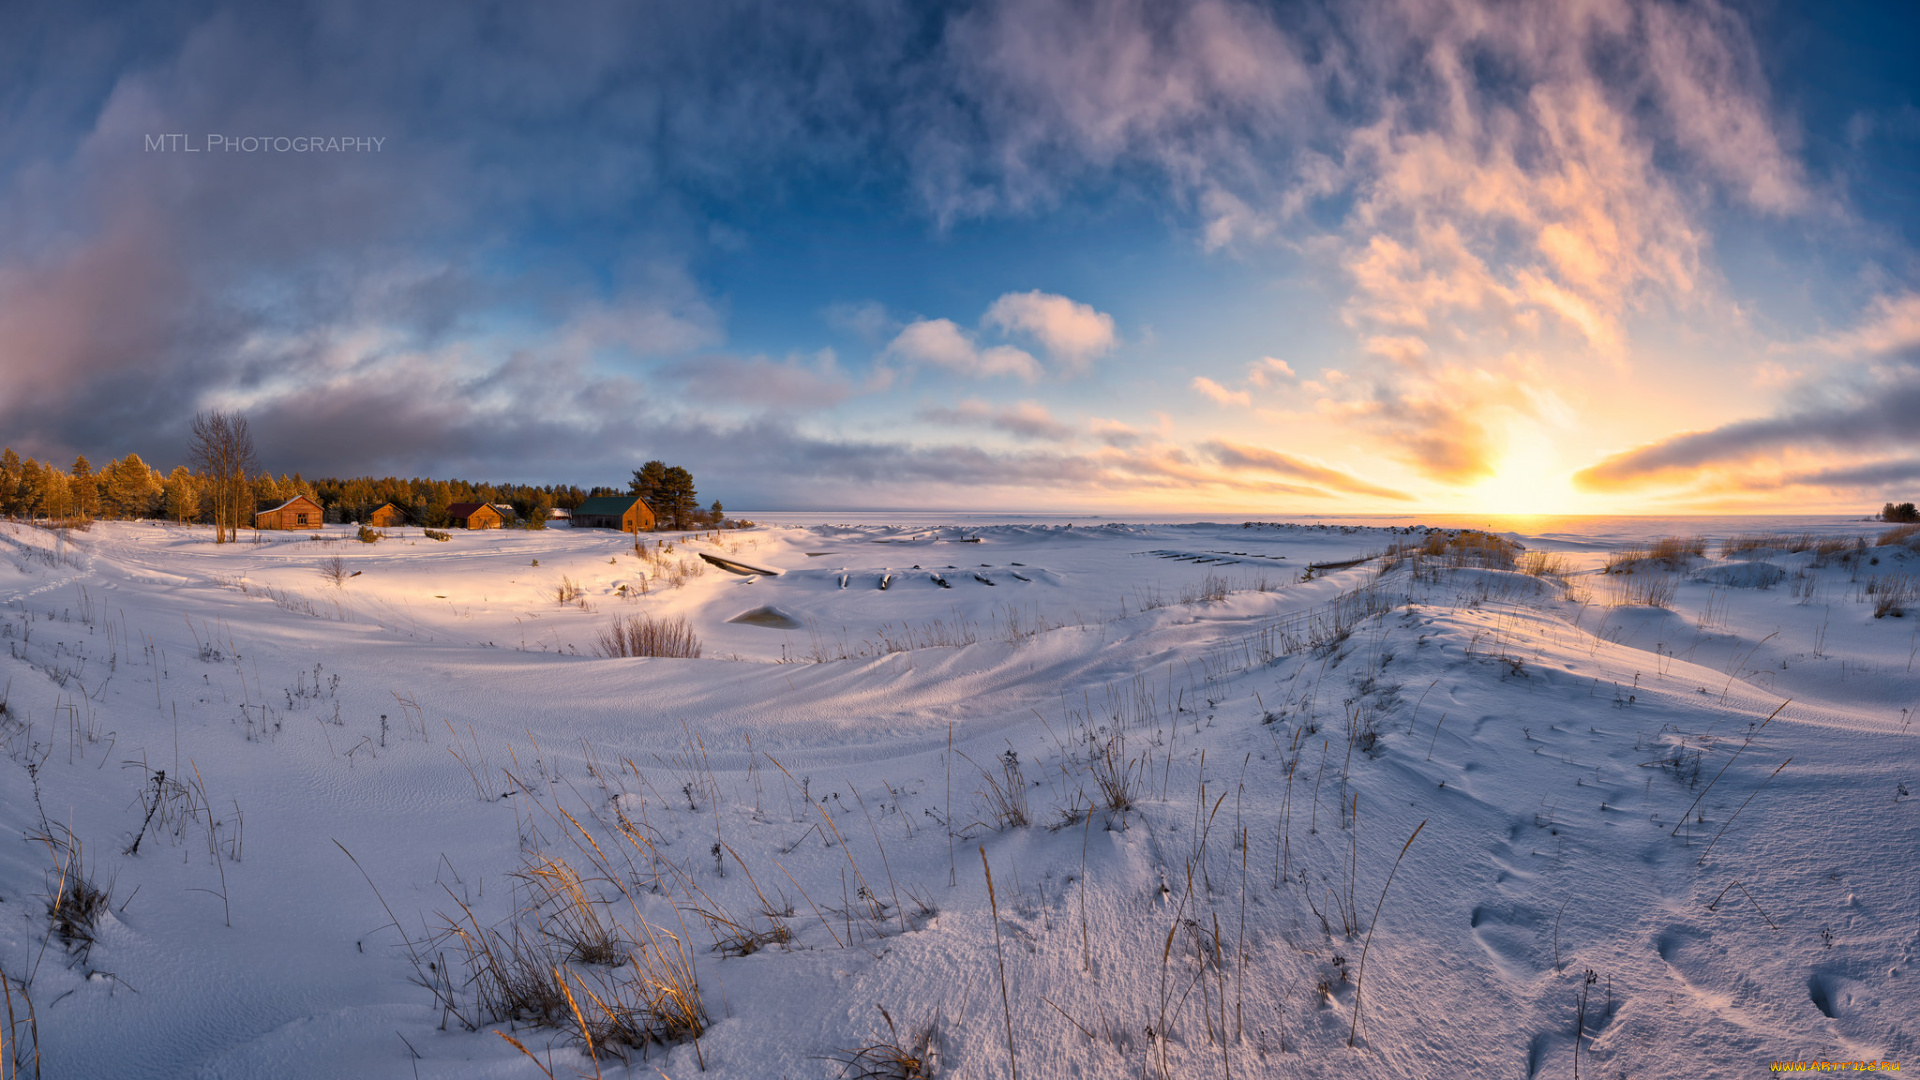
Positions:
{"x": 287, "y": 518}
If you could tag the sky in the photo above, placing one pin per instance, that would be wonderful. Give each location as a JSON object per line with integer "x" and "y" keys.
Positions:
{"x": 1263, "y": 259}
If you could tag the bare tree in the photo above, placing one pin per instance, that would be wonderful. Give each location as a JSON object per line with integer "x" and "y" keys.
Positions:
{"x": 222, "y": 448}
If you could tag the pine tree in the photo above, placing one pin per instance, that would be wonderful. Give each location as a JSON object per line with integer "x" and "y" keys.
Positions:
{"x": 56, "y": 493}
{"x": 182, "y": 495}
{"x": 647, "y": 483}
{"x": 131, "y": 489}
{"x": 439, "y": 498}
{"x": 681, "y": 501}
{"x": 9, "y": 482}
{"x": 83, "y": 490}
{"x": 32, "y": 492}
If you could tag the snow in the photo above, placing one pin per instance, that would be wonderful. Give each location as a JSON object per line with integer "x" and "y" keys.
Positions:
{"x": 1601, "y": 787}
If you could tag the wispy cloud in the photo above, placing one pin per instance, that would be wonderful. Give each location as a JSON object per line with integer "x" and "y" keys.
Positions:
{"x": 1026, "y": 419}
{"x": 1268, "y": 372}
{"x": 1114, "y": 433}
{"x": 1220, "y": 394}
{"x": 1882, "y": 420}
{"x": 1240, "y": 456}
{"x": 758, "y": 382}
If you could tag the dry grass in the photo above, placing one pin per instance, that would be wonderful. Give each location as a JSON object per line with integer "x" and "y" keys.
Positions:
{"x": 335, "y": 570}
{"x": 76, "y": 903}
{"x": 1907, "y": 535}
{"x": 20, "y": 1045}
{"x": 567, "y": 591}
{"x": 1793, "y": 543}
{"x": 1678, "y": 548}
{"x": 891, "y": 1058}
{"x": 571, "y": 917}
{"x": 1212, "y": 589}
{"x": 1835, "y": 547}
{"x": 1118, "y": 776}
{"x": 644, "y": 635}
{"x": 1006, "y": 794}
{"x": 639, "y": 990}
{"x": 1892, "y": 594}
{"x": 1468, "y": 547}
{"x": 436, "y": 534}
{"x": 1669, "y": 552}
{"x": 1623, "y": 560}
{"x": 1645, "y": 590}
{"x": 1545, "y": 564}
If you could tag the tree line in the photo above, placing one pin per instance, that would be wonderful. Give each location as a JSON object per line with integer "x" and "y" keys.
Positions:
{"x": 224, "y": 486}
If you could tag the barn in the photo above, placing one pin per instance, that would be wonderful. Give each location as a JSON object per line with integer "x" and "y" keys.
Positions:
{"x": 474, "y": 516}
{"x": 298, "y": 512}
{"x": 624, "y": 512}
{"x": 388, "y": 516}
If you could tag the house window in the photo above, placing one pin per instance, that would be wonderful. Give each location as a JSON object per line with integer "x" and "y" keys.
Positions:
{"x": 300, "y": 519}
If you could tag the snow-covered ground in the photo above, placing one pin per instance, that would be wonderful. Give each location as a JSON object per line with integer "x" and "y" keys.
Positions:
{"x": 1221, "y": 755}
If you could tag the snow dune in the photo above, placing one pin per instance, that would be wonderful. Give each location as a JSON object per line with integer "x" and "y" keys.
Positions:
{"x": 1218, "y": 755}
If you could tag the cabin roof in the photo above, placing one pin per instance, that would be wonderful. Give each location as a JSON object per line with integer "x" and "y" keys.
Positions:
{"x": 610, "y": 505}
{"x": 266, "y": 509}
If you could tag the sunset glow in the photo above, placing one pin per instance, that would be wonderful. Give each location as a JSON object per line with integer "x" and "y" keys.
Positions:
{"x": 1447, "y": 255}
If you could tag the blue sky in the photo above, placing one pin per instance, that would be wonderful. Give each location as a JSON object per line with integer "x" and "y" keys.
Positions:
{"x": 1213, "y": 256}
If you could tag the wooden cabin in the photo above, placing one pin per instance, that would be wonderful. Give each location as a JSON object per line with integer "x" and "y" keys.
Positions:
{"x": 624, "y": 512}
{"x": 474, "y": 516}
{"x": 298, "y": 512}
{"x": 387, "y": 516}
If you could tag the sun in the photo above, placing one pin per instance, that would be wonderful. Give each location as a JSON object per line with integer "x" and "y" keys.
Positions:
{"x": 1530, "y": 480}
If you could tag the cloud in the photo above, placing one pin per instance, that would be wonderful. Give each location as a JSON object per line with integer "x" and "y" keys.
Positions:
{"x": 1709, "y": 77}
{"x": 1268, "y": 372}
{"x": 1490, "y": 179}
{"x": 761, "y": 383}
{"x": 1447, "y": 424}
{"x": 1403, "y": 350}
{"x": 1241, "y": 456}
{"x": 1027, "y": 419}
{"x": 1891, "y": 324}
{"x": 1114, "y": 433}
{"x": 1867, "y": 407}
{"x": 868, "y": 319}
{"x": 1872, "y": 474}
{"x": 942, "y": 344}
{"x": 1072, "y": 333}
{"x": 1220, "y": 394}
{"x": 1489, "y": 183}
{"x": 1042, "y": 93}
{"x": 661, "y": 314}
{"x": 1881, "y": 419}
